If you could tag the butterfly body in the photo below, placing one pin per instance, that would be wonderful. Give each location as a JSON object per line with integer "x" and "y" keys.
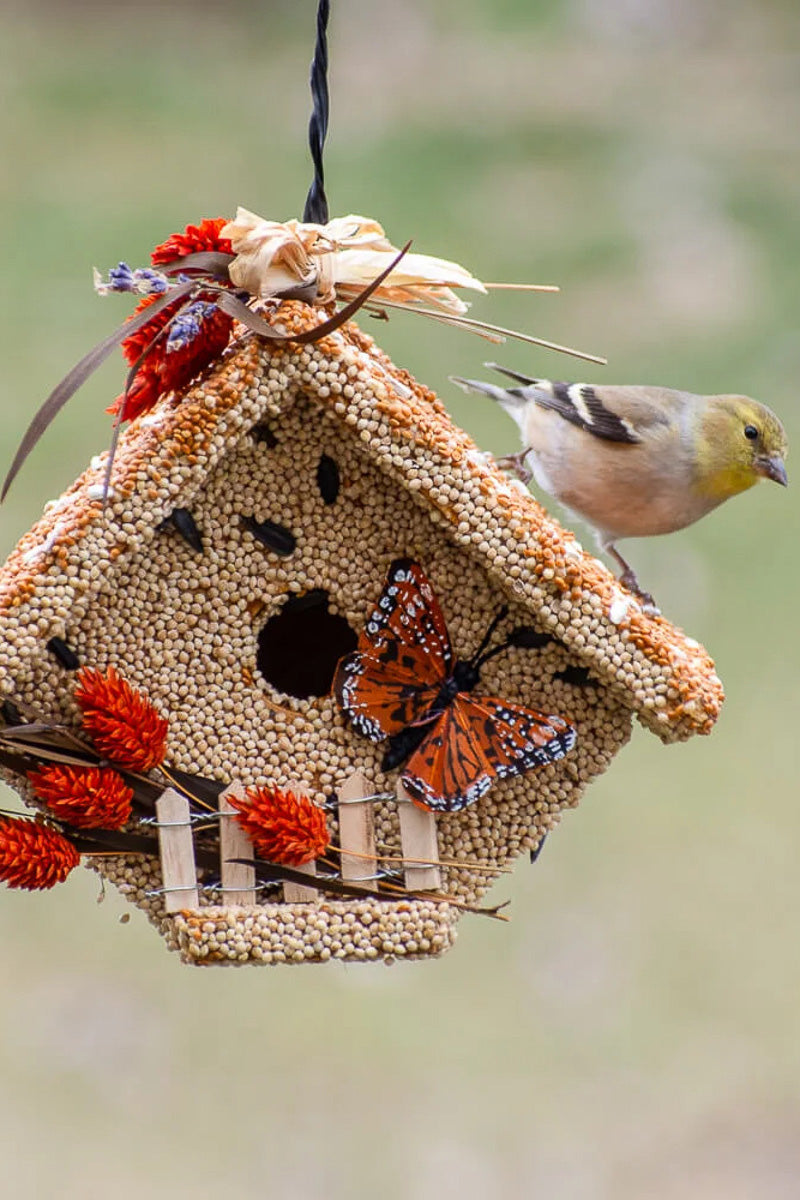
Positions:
{"x": 464, "y": 678}
{"x": 404, "y": 685}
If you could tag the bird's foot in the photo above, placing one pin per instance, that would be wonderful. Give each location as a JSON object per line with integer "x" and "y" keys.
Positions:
{"x": 515, "y": 464}
{"x": 628, "y": 579}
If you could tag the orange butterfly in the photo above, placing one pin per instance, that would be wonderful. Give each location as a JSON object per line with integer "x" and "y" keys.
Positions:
{"x": 404, "y": 684}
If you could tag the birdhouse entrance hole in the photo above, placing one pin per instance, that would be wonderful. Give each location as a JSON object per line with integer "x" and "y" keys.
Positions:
{"x": 299, "y": 647}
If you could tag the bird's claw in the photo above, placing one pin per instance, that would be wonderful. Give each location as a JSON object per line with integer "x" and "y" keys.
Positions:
{"x": 649, "y": 606}
{"x": 515, "y": 464}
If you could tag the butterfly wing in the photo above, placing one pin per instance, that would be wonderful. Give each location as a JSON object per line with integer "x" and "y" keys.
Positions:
{"x": 477, "y": 740}
{"x": 377, "y": 703}
{"x": 408, "y": 618}
{"x": 403, "y": 657}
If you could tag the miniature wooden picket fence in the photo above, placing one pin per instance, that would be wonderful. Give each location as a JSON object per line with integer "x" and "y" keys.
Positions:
{"x": 359, "y": 861}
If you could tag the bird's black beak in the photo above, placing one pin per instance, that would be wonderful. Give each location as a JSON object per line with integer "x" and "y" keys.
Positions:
{"x": 772, "y": 468}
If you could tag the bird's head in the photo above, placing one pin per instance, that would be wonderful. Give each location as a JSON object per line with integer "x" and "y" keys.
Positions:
{"x": 741, "y": 442}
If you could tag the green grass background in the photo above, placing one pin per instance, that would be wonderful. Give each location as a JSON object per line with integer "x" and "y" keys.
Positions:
{"x": 634, "y": 1032}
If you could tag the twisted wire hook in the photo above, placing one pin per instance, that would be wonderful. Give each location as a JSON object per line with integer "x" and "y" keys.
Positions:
{"x": 316, "y": 209}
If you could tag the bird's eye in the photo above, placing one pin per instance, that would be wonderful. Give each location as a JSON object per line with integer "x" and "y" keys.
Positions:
{"x": 750, "y": 432}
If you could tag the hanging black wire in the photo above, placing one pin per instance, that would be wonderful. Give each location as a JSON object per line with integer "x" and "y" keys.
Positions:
{"x": 316, "y": 209}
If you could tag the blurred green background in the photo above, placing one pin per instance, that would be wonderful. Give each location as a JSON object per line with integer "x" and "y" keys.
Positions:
{"x": 635, "y": 1031}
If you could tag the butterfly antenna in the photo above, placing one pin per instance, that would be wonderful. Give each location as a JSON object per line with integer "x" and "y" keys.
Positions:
{"x": 506, "y": 645}
{"x": 481, "y": 656}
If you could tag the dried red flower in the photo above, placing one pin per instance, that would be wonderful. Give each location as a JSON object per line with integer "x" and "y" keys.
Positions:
{"x": 164, "y": 371}
{"x": 169, "y": 371}
{"x": 34, "y": 855}
{"x": 121, "y": 722}
{"x": 283, "y": 828}
{"x": 135, "y": 345}
{"x": 193, "y": 240}
{"x": 86, "y": 797}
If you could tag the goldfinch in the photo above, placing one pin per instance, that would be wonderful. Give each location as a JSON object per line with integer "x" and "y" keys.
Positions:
{"x": 637, "y": 461}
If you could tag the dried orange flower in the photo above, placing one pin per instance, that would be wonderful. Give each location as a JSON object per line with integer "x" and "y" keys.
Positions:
{"x": 86, "y": 797}
{"x": 121, "y": 722}
{"x": 283, "y": 828}
{"x": 173, "y": 361}
{"x": 195, "y": 238}
{"x": 33, "y": 855}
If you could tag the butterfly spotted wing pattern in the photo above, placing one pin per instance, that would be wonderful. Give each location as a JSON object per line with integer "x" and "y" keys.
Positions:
{"x": 477, "y": 740}
{"x": 403, "y": 657}
{"x": 403, "y": 675}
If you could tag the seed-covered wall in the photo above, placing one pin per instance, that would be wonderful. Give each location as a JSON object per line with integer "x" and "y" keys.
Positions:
{"x": 244, "y": 603}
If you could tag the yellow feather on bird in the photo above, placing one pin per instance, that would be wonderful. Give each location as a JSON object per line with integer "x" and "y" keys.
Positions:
{"x": 637, "y": 461}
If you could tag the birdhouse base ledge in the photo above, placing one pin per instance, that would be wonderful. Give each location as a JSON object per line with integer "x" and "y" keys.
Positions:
{"x": 367, "y": 931}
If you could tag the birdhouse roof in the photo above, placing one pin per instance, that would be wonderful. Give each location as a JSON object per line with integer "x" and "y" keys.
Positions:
{"x": 164, "y": 456}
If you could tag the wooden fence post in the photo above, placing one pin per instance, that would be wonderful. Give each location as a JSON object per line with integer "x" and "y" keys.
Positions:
{"x": 357, "y": 830}
{"x": 176, "y": 846}
{"x": 238, "y": 879}
{"x": 418, "y": 840}
{"x": 295, "y": 893}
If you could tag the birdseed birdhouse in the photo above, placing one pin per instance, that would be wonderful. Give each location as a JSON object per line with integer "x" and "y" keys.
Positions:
{"x": 236, "y": 563}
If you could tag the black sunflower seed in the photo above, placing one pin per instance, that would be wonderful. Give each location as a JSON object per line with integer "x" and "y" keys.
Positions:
{"x": 64, "y": 654}
{"x": 264, "y": 436}
{"x": 534, "y": 854}
{"x": 314, "y": 598}
{"x": 275, "y": 537}
{"x": 528, "y": 638}
{"x": 184, "y": 523}
{"x": 10, "y": 713}
{"x": 328, "y": 480}
{"x": 577, "y": 676}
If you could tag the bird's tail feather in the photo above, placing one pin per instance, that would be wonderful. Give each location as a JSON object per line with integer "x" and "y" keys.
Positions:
{"x": 528, "y": 380}
{"x": 511, "y": 401}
